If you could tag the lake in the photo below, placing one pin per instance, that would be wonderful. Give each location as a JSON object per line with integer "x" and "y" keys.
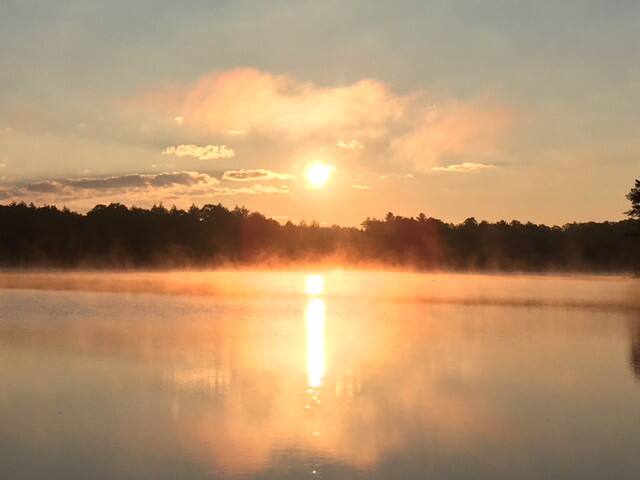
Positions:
{"x": 333, "y": 375}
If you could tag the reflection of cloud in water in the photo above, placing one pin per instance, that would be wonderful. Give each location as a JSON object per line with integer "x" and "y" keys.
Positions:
{"x": 419, "y": 385}
{"x": 334, "y": 416}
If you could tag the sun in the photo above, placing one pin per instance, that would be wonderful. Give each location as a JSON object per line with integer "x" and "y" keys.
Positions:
{"x": 318, "y": 174}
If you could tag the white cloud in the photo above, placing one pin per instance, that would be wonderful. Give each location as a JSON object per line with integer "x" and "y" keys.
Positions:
{"x": 204, "y": 152}
{"x": 245, "y": 175}
{"x": 462, "y": 167}
{"x": 179, "y": 120}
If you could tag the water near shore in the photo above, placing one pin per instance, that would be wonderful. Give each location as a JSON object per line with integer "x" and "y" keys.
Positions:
{"x": 318, "y": 375}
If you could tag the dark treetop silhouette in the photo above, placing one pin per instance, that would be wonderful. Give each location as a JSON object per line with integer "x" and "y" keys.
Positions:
{"x": 634, "y": 197}
{"x": 117, "y": 236}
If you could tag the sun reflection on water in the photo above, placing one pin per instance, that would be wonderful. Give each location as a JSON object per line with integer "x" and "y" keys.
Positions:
{"x": 315, "y": 317}
{"x": 314, "y": 285}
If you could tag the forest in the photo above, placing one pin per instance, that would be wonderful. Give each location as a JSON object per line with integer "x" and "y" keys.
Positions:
{"x": 117, "y": 236}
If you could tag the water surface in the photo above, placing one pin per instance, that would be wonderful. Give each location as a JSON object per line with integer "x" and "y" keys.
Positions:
{"x": 332, "y": 375}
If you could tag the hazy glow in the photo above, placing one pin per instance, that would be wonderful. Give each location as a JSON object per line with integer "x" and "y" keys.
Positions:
{"x": 314, "y": 285}
{"x": 314, "y": 316}
{"x": 318, "y": 174}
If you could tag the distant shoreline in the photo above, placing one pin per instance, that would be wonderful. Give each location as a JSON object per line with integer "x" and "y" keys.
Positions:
{"x": 116, "y": 237}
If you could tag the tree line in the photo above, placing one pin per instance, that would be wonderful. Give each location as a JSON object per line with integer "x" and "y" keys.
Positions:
{"x": 117, "y": 236}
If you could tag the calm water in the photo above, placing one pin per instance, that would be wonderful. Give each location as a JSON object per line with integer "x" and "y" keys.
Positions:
{"x": 339, "y": 375}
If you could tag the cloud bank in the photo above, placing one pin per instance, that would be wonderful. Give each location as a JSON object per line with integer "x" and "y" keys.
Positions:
{"x": 135, "y": 188}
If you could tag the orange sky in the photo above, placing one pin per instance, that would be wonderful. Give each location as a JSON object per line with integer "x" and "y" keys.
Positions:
{"x": 411, "y": 107}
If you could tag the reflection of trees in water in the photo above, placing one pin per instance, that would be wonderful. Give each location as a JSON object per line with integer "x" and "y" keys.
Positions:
{"x": 635, "y": 344}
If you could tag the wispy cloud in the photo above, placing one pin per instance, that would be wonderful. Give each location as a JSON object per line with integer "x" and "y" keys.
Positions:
{"x": 358, "y": 186}
{"x": 452, "y": 129}
{"x": 236, "y": 132}
{"x": 352, "y": 145}
{"x": 179, "y": 120}
{"x": 203, "y": 152}
{"x": 255, "y": 100}
{"x": 246, "y": 175}
{"x": 462, "y": 167}
{"x": 256, "y": 189}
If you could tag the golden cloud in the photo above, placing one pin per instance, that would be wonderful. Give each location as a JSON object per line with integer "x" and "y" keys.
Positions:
{"x": 405, "y": 129}
{"x": 245, "y": 175}
{"x": 352, "y": 145}
{"x": 255, "y": 100}
{"x": 204, "y": 152}
{"x": 462, "y": 167}
{"x": 452, "y": 130}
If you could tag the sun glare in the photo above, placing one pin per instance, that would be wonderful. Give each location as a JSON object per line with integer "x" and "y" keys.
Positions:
{"x": 318, "y": 174}
{"x": 314, "y": 285}
{"x": 315, "y": 317}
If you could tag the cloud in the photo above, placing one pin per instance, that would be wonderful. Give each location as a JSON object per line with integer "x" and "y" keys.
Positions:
{"x": 245, "y": 175}
{"x": 179, "y": 120}
{"x": 251, "y": 99}
{"x": 352, "y": 145}
{"x": 47, "y": 186}
{"x": 135, "y": 188}
{"x": 462, "y": 167}
{"x": 134, "y": 182}
{"x": 361, "y": 187}
{"x": 256, "y": 189}
{"x": 452, "y": 130}
{"x": 412, "y": 130}
{"x": 205, "y": 152}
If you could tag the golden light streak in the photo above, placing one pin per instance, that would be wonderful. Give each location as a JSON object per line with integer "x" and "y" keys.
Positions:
{"x": 315, "y": 318}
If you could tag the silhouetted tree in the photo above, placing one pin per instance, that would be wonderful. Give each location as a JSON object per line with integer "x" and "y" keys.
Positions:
{"x": 634, "y": 197}
{"x": 119, "y": 236}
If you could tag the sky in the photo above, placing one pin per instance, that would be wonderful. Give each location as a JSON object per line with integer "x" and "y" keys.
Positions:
{"x": 331, "y": 111}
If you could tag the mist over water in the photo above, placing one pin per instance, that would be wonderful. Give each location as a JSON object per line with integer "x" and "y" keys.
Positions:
{"x": 337, "y": 374}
